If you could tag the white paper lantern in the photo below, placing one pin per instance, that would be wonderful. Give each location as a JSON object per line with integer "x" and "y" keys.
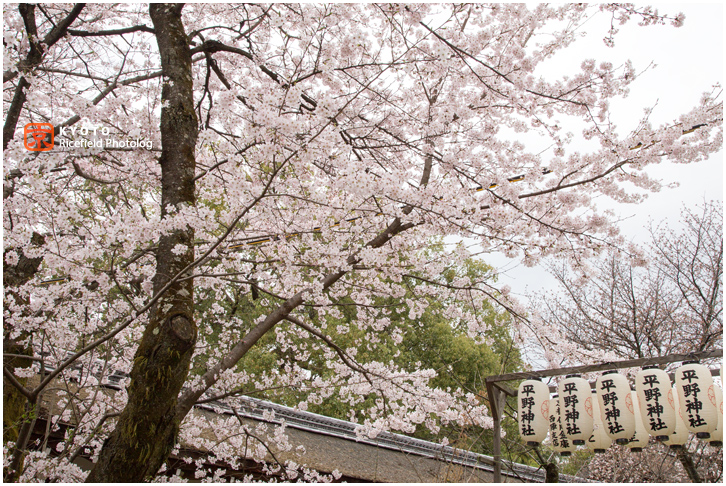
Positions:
{"x": 680, "y": 435}
{"x": 599, "y": 440}
{"x": 560, "y": 443}
{"x": 657, "y": 403}
{"x": 640, "y": 437}
{"x": 716, "y": 439}
{"x": 697, "y": 397}
{"x": 576, "y": 408}
{"x": 616, "y": 406}
{"x": 533, "y": 405}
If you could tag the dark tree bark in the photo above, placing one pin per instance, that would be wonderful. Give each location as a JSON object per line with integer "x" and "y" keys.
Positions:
{"x": 552, "y": 475}
{"x": 147, "y": 427}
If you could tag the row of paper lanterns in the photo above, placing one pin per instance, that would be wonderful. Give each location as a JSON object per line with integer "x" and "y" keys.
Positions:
{"x": 613, "y": 412}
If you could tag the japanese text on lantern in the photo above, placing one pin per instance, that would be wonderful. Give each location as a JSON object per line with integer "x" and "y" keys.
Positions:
{"x": 610, "y": 407}
{"x": 690, "y": 394}
{"x": 653, "y": 402}
{"x": 569, "y": 402}
{"x": 527, "y": 416}
{"x": 564, "y": 440}
{"x": 557, "y": 433}
{"x": 553, "y": 429}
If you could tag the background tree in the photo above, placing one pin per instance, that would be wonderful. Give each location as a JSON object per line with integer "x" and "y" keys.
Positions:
{"x": 692, "y": 261}
{"x": 627, "y": 307}
{"x": 656, "y": 464}
{"x": 310, "y": 155}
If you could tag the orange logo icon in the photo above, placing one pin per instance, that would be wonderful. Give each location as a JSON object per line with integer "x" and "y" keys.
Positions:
{"x": 38, "y": 137}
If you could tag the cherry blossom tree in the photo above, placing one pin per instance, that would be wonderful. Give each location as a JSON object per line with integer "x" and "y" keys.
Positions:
{"x": 307, "y": 154}
{"x": 669, "y": 303}
{"x": 656, "y": 464}
{"x": 692, "y": 258}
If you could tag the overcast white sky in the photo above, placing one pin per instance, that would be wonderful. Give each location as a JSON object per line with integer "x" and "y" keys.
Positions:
{"x": 689, "y": 62}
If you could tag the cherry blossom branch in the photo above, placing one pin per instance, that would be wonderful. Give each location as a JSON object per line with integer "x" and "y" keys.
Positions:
{"x": 49, "y": 40}
{"x": 462, "y": 52}
{"x": 100, "y": 33}
{"x": 90, "y": 437}
{"x": 489, "y": 294}
{"x": 31, "y": 61}
{"x": 249, "y": 434}
{"x": 349, "y": 362}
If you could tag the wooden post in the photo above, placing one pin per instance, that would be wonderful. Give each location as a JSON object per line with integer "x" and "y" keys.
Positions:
{"x": 496, "y": 406}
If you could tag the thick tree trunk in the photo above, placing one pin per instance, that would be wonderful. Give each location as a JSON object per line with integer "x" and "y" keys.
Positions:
{"x": 147, "y": 427}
